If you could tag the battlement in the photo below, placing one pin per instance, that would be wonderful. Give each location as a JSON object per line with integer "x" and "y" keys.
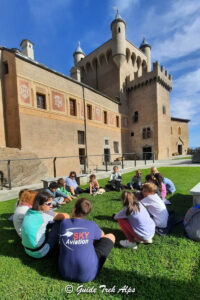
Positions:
{"x": 158, "y": 74}
{"x": 158, "y": 68}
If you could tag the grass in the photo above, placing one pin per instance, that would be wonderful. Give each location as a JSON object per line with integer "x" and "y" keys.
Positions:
{"x": 167, "y": 269}
{"x": 185, "y": 157}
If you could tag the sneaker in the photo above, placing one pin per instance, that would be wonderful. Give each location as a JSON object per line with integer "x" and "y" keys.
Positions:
{"x": 150, "y": 241}
{"x": 127, "y": 244}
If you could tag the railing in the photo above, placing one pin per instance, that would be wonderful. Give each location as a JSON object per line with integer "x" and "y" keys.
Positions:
{"x": 106, "y": 159}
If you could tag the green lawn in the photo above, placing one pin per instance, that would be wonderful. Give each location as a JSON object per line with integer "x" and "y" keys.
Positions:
{"x": 185, "y": 157}
{"x": 167, "y": 269}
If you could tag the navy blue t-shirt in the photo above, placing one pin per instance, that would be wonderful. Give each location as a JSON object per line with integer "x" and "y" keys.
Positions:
{"x": 78, "y": 260}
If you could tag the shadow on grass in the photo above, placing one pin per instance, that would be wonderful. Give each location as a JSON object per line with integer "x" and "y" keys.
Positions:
{"x": 146, "y": 287}
{"x": 108, "y": 218}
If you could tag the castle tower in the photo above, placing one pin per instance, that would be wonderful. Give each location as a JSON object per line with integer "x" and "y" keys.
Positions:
{"x": 146, "y": 49}
{"x": 27, "y": 48}
{"x": 118, "y": 27}
{"x": 78, "y": 54}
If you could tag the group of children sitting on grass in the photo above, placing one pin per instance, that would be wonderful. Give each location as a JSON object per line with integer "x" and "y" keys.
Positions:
{"x": 84, "y": 247}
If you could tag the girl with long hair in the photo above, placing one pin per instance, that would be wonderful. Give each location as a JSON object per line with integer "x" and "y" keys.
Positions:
{"x": 135, "y": 222}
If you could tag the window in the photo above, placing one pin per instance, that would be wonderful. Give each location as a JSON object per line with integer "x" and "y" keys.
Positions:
{"x": 106, "y": 142}
{"x": 179, "y": 130}
{"x": 89, "y": 112}
{"x": 105, "y": 117}
{"x": 132, "y": 133}
{"x": 164, "y": 110}
{"x": 5, "y": 67}
{"x": 117, "y": 121}
{"x": 135, "y": 117}
{"x": 119, "y": 30}
{"x": 72, "y": 104}
{"x": 81, "y": 137}
{"x": 146, "y": 133}
{"x": 116, "y": 147}
{"x": 41, "y": 101}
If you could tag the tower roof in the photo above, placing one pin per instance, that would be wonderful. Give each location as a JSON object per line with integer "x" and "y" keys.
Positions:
{"x": 78, "y": 50}
{"x": 144, "y": 44}
{"x": 118, "y": 18}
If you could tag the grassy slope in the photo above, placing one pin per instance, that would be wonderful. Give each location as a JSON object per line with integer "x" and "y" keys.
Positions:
{"x": 167, "y": 269}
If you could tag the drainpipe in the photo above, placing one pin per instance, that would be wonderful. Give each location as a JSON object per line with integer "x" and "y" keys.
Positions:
{"x": 85, "y": 129}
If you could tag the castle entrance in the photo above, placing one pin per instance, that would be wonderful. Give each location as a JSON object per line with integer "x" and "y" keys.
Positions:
{"x": 147, "y": 153}
{"x": 107, "y": 155}
{"x": 180, "y": 149}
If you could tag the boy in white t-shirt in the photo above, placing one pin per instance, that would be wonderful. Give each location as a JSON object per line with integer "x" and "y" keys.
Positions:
{"x": 154, "y": 205}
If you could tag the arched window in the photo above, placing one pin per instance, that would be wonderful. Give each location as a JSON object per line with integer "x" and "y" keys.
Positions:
{"x": 119, "y": 29}
{"x": 179, "y": 130}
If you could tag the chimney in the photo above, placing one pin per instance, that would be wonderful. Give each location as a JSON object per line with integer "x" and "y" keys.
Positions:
{"x": 27, "y": 48}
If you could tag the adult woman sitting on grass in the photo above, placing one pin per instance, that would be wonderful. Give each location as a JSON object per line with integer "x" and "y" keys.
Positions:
{"x": 72, "y": 185}
{"x": 26, "y": 199}
{"x": 135, "y": 222}
{"x": 40, "y": 231}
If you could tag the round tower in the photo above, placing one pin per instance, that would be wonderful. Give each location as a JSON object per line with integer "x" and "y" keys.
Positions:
{"x": 78, "y": 54}
{"x": 118, "y": 27}
{"x": 146, "y": 49}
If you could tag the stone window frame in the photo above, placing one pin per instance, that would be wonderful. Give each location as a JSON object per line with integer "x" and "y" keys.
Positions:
{"x": 73, "y": 112}
{"x": 89, "y": 111}
{"x": 42, "y": 97}
{"x": 105, "y": 117}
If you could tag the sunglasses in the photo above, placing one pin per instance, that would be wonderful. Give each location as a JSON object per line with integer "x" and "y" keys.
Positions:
{"x": 48, "y": 203}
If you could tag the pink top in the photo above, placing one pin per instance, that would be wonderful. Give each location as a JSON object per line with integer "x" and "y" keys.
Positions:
{"x": 163, "y": 192}
{"x": 94, "y": 184}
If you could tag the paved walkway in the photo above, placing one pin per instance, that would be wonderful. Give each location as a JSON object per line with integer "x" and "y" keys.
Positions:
{"x": 128, "y": 167}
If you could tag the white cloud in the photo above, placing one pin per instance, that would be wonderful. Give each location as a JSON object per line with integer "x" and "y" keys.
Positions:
{"x": 186, "y": 63}
{"x": 185, "y": 103}
{"x": 183, "y": 42}
{"x": 125, "y": 5}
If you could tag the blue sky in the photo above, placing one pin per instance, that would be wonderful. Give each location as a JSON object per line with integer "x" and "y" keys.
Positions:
{"x": 171, "y": 27}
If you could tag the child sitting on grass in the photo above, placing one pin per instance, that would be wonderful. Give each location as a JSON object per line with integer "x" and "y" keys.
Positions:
{"x": 158, "y": 178}
{"x": 83, "y": 245}
{"x": 135, "y": 222}
{"x": 61, "y": 187}
{"x": 115, "y": 180}
{"x": 94, "y": 185}
{"x": 26, "y": 199}
{"x": 170, "y": 187}
{"x": 136, "y": 181}
{"x": 154, "y": 205}
{"x": 40, "y": 232}
{"x": 59, "y": 198}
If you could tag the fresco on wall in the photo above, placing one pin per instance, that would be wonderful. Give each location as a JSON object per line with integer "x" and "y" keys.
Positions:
{"x": 24, "y": 90}
{"x": 58, "y": 102}
{"x": 112, "y": 118}
{"x": 97, "y": 113}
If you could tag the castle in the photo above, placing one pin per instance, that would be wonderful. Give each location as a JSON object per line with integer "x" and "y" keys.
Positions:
{"x": 114, "y": 102}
